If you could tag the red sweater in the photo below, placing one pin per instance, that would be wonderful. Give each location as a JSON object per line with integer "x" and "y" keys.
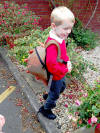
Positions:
{"x": 57, "y": 69}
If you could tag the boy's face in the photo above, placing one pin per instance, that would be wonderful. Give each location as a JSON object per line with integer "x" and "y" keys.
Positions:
{"x": 63, "y": 30}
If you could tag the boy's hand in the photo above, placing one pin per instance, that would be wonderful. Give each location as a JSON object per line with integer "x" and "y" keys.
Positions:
{"x": 69, "y": 66}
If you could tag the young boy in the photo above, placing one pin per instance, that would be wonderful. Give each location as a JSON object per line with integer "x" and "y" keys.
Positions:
{"x": 62, "y": 21}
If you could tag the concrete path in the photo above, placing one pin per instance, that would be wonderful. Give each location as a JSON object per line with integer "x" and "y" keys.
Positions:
{"x": 14, "y": 106}
{"x": 27, "y": 89}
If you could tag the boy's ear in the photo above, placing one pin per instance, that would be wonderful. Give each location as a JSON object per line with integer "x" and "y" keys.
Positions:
{"x": 53, "y": 26}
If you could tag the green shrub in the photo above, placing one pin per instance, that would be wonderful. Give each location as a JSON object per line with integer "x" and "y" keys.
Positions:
{"x": 34, "y": 37}
{"x": 27, "y": 43}
{"x": 83, "y": 37}
{"x": 16, "y": 21}
{"x": 20, "y": 53}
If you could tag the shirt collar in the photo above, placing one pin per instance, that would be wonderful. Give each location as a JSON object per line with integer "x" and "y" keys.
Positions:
{"x": 54, "y": 36}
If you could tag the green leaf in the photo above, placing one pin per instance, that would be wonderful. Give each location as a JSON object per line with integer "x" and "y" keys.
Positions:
{"x": 95, "y": 109}
{"x": 17, "y": 31}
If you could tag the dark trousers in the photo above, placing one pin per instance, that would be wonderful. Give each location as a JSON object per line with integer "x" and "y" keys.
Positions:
{"x": 57, "y": 87}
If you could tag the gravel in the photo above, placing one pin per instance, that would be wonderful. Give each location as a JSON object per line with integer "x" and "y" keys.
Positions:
{"x": 94, "y": 57}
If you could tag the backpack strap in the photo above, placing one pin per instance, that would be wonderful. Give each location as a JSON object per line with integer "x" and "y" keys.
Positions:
{"x": 54, "y": 42}
{"x": 43, "y": 65}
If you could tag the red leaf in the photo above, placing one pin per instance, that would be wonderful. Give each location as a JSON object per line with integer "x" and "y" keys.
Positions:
{"x": 31, "y": 51}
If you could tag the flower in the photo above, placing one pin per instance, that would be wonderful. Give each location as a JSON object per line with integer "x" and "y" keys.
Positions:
{"x": 88, "y": 108}
{"x": 19, "y": 23}
{"x": 70, "y": 117}
{"x": 94, "y": 119}
{"x": 66, "y": 105}
{"x": 98, "y": 125}
{"x": 23, "y": 13}
{"x": 18, "y": 12}
{"x": 25, "y": 23}
{"x": 85, "y": 95}
{"x": 77, "y": 102}
{"x": 80, "y": 121}
{"x": 89, "y": 121}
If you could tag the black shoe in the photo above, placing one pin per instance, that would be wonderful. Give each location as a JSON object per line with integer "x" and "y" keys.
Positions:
{"x": 45, "y": 96}
{"x": 47, "y": 113}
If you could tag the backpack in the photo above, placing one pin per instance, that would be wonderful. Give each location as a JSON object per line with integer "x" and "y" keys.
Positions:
{"x": 36, "y": 62}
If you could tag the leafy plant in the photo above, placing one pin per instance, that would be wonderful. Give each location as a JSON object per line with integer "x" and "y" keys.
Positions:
{"x": 16, "y": 21}
{"x": 87, "y": 108}
{"x": 27, "y": 43}
{"x": 83, "y": 37}
{"x": 33, "y": 38}
{"x": 20, "y": 53}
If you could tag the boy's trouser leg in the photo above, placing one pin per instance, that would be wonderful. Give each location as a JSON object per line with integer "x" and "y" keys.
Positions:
{"x": 62, "y": 89}
{"x": 64, "y": 84}
{"x": 57, "y": 87}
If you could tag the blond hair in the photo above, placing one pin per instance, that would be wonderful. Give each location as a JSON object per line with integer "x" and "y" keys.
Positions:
{"x": 59, "y": 14}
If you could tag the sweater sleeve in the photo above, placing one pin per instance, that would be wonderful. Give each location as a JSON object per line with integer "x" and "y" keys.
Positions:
{"x": 53, "y": 66}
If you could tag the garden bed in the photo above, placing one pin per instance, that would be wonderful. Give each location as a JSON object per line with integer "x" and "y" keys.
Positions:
{"x": 74, "y": 87}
